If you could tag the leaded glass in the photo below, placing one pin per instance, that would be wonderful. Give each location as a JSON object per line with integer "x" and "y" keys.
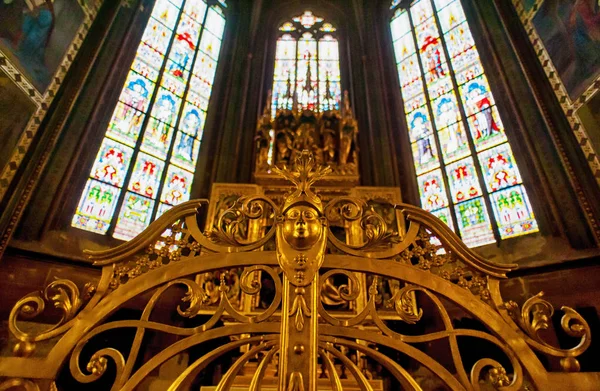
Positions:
{"x": 425, "y": 154}
{"x": 431, "y": 187}
{"x": 96, "y": 207}
{"x": 134, "y": 216}
{"x": 177, "y": 186}
{"x": 474, "y": 223}
{"x": 112, "y": 162}
{"x": 499, "y": 168}
{"x": 462, "y": 177}
{"x": 153, "y": 138}
{"x": 307, "y": 69}
{"x": 464, "y": 164}
{"x": 513, "y": 212}
{"x": 125, "y": 124}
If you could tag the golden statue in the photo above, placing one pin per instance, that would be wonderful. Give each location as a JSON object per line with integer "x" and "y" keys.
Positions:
{"x": 263, "y": 136}
{"x": 348, "y": 133}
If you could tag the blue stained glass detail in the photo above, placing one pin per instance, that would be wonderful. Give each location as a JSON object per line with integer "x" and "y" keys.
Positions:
{"x": 162, "y": 77}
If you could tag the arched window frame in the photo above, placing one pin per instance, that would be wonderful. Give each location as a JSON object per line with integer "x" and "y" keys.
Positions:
{"x": 465, "y": 117}
{"x": 195, "y": 73}
{"x": 287, "y": 91}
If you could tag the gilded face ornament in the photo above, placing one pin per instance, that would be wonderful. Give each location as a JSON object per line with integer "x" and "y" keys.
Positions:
{"x": 301, "y": 237}
{"x": 302, "y": 227}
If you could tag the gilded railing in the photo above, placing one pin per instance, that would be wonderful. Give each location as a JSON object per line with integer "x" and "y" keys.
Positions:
{"x": 416, "y": 306}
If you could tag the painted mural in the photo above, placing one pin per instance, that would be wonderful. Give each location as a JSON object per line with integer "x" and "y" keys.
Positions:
{"x": 570, "y": 31}
{"x": 36, "y": 34}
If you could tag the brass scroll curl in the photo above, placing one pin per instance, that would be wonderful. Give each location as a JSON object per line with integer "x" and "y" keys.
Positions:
{"x": 535, "y": 316}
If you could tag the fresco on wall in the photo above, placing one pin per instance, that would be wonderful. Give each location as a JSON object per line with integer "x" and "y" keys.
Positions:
{"x": 570, "y": 31}
{"x": 35, "y": 35}
{"x": 12, "y": 100}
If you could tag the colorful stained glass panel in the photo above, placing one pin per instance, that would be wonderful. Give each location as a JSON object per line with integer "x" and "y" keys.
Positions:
{"x": 177, "y": 186}
{"x": 166, "y": 13}
{"x": 157, "y": 35}
{"x": 453, "y": 142}
{"x": 409, "y": 71}
{"x": 205, "y": 67}
{"x": 166, "y": 107}
{"x": 215, "y": 22}
{"x": 328, "y": 48}
{"x": 195, "y": 9}
{"x": 499, "y": 168}
{"x": 112, "y": 162}
{"x": 476, "y": 95}
{"x": 285, "y": 69}
{"x": 412, "y": 89}
{"x": 474, "y": 223}
{"x": 421, "y": 11}
{"x": 173, "y": 84}
{"x": 125, "y": 124}
{"x": 425, "y": 154}
{"x": 200, "y": 86}
{"x": 181, "y": 53}
{"x": 148, "y": 63}
{"x": 286, "y": 48}
{"x": 438, "y": 81}
{"x": 137, "y": 91}
{"x": 197, "y": 100}
{"x": 445, "y": 110}
{"x": 335, "y": 92}
{"x": 468, "y": 74}
{"x": 192, "y": 121}
{"x": 185, "y": 151}
{"x": 329, "y": 70}
{"x": 414, "y": 103}
{"x": 419, "y": 124}
{"x": 431, "y": 188}
{"x": 486, "y": 128}
{"x": 96, "y": 207}
{"x": 458, "y": 40}
{"x": 400, "y": 25}
{"x": 177, "y": 71}
{"x": 134, "y": 217}
{"x": 427, "y": 34}
{"x": 465, "y": 59}
{"x": 307, "y": 47}
{"x": 451, "y": 16}
{"x": 146, "y": 175}
{"x": 188, "y": 32}
{"x": 513, "y": 212}
{"x": 463, "y": 181}
{"x": 404, "y": 47}
{"x": 210, "y": 45}
{"x": 444, "y": 215}
{"x": 157, "y": 138}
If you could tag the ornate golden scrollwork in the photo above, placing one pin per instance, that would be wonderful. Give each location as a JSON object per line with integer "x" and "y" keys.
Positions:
{"x": 404, "y": 290}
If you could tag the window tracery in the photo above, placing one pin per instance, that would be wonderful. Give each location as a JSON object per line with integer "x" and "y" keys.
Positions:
{"x": 307, "y": 70}
{"x": 466, "y": 172}
{"x": 147, "y": 159}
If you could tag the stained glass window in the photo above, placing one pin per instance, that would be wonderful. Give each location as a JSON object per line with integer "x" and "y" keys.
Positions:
{"x": 147, "y": 159}
{"x": 466, "y": 171}
{"x": 307, "y": 68}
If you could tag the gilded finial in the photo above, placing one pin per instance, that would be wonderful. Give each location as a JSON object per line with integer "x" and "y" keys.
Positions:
{"x": 306, "y": 172}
